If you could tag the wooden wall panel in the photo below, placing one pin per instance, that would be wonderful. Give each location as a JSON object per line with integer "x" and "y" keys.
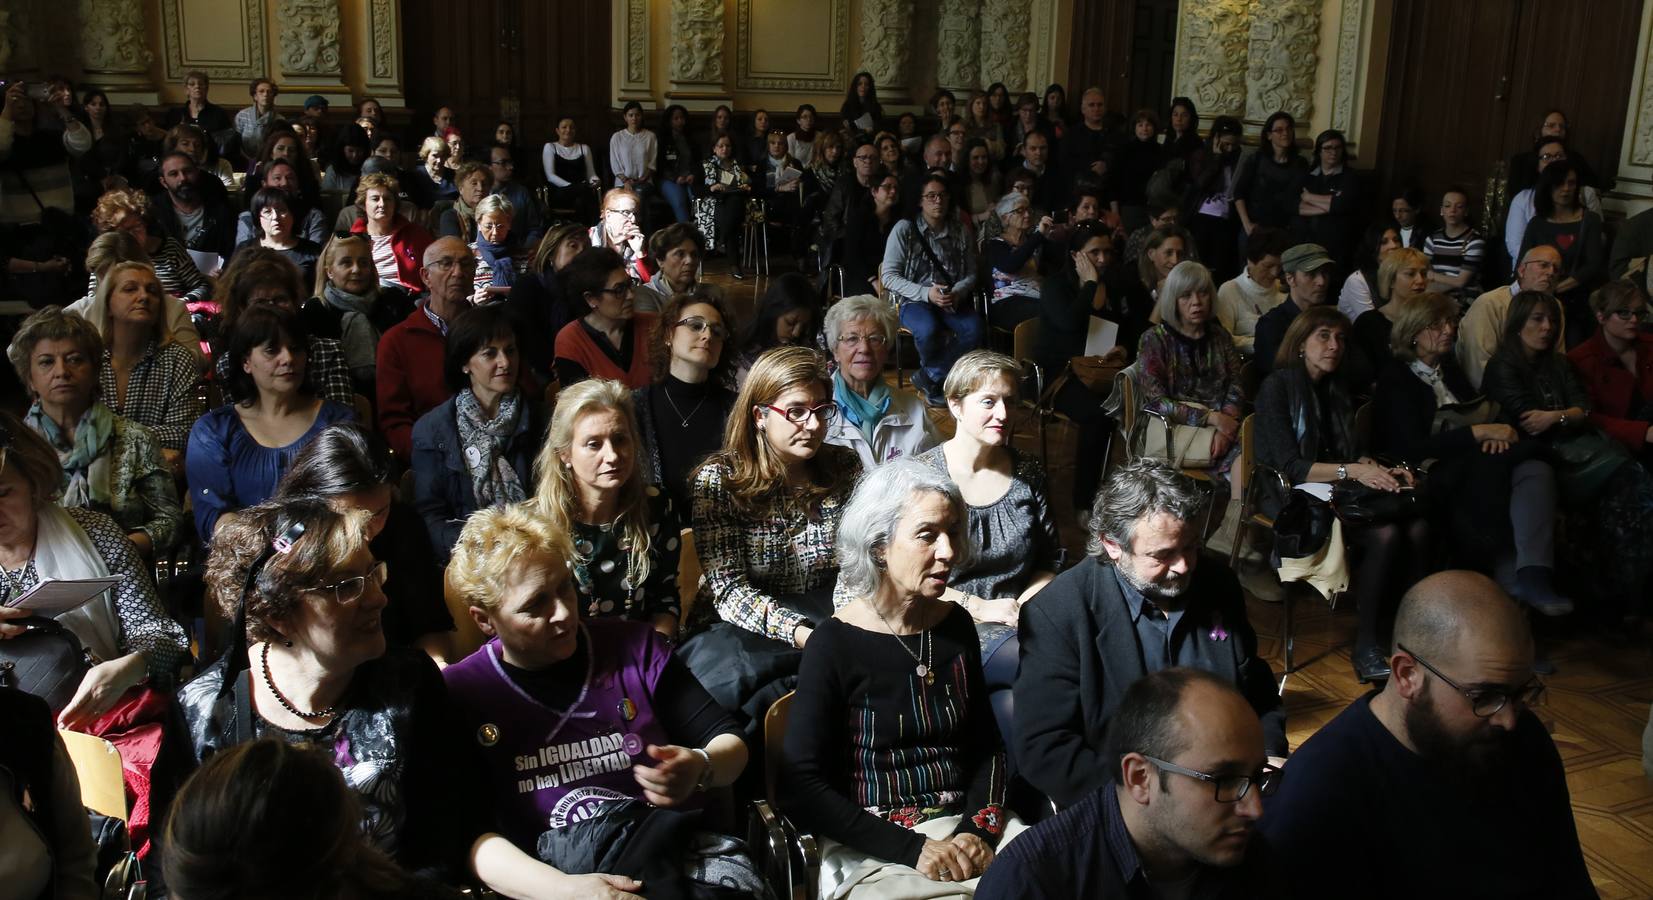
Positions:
{"x": 1100, "y": 52}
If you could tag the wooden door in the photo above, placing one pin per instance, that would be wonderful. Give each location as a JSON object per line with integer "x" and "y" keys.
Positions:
{"x": 1099, "y": 54}
{"x": 1153, "y": 57}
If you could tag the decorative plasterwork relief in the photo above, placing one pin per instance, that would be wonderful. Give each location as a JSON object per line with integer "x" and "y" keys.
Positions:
{"x": 697, "y": 41}
{"x": 1005, "y": 29}
{"x": 1282, "y": 57}
{"x": 310, "y": 37}
{"x": 958, "y": 44}
{"x": 384, "y": 38}
{"x": 886, "y": 30}
{"x": 1211, "y": 55}
{"x": 836, "y": 54}
{"x": 1351, "y": 29}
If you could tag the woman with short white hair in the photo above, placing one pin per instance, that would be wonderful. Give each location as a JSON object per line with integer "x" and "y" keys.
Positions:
{"x": 495, "y": 269}
{"x": 876, "y": 422}
{"x": 1013, "y": 258}
{"x": 1188, "y": 369}
{"x": 893, "y": 757}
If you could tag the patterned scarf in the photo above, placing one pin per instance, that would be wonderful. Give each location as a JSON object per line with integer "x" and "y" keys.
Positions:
{"x": 498, "y": 258}
{"x": 492, "y": 476}
{"x": 85, "y": 459}
{"x": 862, "y": 412}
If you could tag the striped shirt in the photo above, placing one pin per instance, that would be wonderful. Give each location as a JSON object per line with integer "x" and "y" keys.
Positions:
{"x": 176, "y": 272}
{"x": 1454, "y": 256}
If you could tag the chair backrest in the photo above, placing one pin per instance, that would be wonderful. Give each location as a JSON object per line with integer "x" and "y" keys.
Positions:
{"x": 774, "y": 741}
{"x": 466, "y": 637}
{"x": 363, "y": 408}
{"x": 1248, "y": 458}
{"x": 1251, "y": 380}
{"x": 98, "y": 766}
{"x": 688, "y": 573}
{"x": 1024, "y": 340}
{"x": 1363, "y": 427}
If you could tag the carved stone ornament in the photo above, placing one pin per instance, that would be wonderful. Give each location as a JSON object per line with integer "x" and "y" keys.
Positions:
{"x": 958, "y": 44}
{"x": 17, "y": 37}
{"x": 384, "y": 38}
{"x": 1005, "y": 26}
{"x": 1349, "y": 32}
{"x": 637, "y": 41}
{"x": 1280, "y": 67}
{"x": 310, "y": 37}
{"x": 886, "y": 29}
{"x": 697, "y": 41}
{"x": 1211, "y": 60}
{"x": 112, "y": 36}
{"x": 1641, "y": 145}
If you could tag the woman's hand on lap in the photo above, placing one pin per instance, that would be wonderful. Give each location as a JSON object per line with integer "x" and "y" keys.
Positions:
{"x": 673, "y": 778}
{"x": 943, "y": 861}
{"x": 976, "y": 850}
{"x": 100, "y": 689}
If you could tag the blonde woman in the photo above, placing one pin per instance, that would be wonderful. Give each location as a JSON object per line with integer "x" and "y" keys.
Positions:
{"x": 622, "y": 534}
{"x": 1403, "y": 274}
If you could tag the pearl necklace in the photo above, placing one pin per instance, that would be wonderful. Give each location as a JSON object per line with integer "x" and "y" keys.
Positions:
{"x": 264, "y": 662}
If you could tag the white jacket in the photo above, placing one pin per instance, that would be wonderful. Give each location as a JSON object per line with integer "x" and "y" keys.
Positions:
{"x": 906, "y": 430}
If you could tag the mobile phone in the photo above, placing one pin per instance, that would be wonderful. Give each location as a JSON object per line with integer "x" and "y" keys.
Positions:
{"x": 1060, "y": 217}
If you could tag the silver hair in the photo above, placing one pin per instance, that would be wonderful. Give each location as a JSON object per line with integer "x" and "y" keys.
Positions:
{"x": 875, "y": 509}
{"x": 1009, "y": 202}
{"x": 495, "y": 204}
{"x": 1135, "y": 491}
{"x": 1188, "y": 276}
{"x": 853, "y": 309}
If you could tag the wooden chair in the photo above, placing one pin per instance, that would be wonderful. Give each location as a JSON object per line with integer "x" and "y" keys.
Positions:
{"x": 688, "y": 574}
{"x": 1251, "y": 380}
{"x": 792, "y": 859}
{"x": 1363, "y": 425}
{"x": 98, "y": 766}
{"x": 363, "y": 409}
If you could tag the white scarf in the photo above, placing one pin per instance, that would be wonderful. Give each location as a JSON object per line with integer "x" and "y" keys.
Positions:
{"x": 63, "y": 552}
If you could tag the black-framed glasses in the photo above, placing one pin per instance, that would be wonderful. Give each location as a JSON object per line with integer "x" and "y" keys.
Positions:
{"x": 350, "y": 590}
{"x": 1640, "y": 314}
{"x": 623, "y": 290}
{"x": 698, "y": 324}
{"x": 1485, "y": 702}
{"x": 1229, "y": 788}
{"x": 800, "y": 414}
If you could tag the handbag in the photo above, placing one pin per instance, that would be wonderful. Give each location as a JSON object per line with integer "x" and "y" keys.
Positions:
{"x": 1585, "y": 459}
{"x": 1183, "y": 446}
{"x": 1464, "y": 415}
{"x": 1359, "y": 504}
{"x": 1301, "y": 526}
{"x": 46, "y": 660}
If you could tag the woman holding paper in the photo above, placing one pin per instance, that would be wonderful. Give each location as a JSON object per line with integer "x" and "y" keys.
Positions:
{"x": 125, "y": 628}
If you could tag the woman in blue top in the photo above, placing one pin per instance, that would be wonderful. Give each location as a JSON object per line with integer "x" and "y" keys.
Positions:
{"x": 477, "y": 449}
{"x": 239, "y": 451}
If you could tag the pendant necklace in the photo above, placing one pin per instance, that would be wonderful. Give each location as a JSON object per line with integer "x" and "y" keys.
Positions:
{"x": 924, "y": 657}
{"x": 685, "y": 419}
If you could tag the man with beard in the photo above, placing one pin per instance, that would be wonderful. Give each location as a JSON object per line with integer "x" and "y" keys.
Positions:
{"x": 1142, "y": 602}
{"x": 1177, "y": 816}
{"x": 197, "y": 222}
{"x": 1443, "y": 784}
{"x": 1308, "y": 271}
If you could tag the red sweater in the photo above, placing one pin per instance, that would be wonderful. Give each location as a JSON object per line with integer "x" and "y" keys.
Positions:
{"x": 1611, "y": 387}
{"x": 409, "y": 241}
{"x": 409, "y": 378}
{"x": 575, "y": 345}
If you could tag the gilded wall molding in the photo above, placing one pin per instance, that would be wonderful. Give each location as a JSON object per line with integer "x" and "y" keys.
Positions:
{"x": 1281, "y": 59}
{"x": 251, "y": 27}
{"x": 1212, "y": 46}
{"x": 1005, "y": 31}
{"x": 310, "y": 37}
{"x": 886, "y": 31}
{"x": 834, "y": 79}
{"x": 697, "y": 42}
{"x": 1351, "y": 32}
{"x": 958, "y": 45}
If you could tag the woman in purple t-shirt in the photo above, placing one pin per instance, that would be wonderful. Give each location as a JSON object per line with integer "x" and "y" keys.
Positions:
{"x": 594, "y": 735}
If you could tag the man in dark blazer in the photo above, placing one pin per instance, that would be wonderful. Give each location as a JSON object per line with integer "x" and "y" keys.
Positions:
{"x": 1141, "y": 602}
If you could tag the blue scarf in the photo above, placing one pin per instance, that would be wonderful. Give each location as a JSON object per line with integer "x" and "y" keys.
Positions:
{"x": 862, "y": 412}
{"x": 499, "y": 259}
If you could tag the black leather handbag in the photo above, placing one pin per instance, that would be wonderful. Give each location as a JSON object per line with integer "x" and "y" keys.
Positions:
{"x": 1357, "y": 504}
{"x": 46, "y": 660}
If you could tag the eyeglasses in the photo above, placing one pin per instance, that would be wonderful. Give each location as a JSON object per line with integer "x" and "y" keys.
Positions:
{"x": 623, "y": 290}
{"x": 1230, "y": 788}
{"x": 856, "y": 340}
{"x": 1640, "y": 314}
{"x": 351, "y": 589}
{"x": 628, "y": 213}
{"x": 698, "y": 324}
{"x": 1485, "y": 702}
{"x": 866, "y": 157}
{"x": 467, "y": 263}
{"x": 934, "y": 195}
{"x": 798, "y": 415}
{"x": 1551, "y": 157}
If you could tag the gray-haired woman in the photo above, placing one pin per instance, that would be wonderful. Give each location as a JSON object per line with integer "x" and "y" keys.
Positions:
{"x": 878, "y": 423}
{"x": 1188, "y": 369}
{"x": 1013, "y": 256}
{"x": 495, "y": 269}
{"x": 893, "y": 755}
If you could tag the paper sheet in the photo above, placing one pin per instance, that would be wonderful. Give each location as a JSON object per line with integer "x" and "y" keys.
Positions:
{"x": 54, "y": 598}
{"x": 209, "y": 263}
{"x": 1102, "y": 336}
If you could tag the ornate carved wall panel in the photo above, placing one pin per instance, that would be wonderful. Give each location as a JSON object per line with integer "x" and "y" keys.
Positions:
{"x": 1351, "y": 34}
{"x": 222, "y": 39}
{"x": 1281, "y": 59}
{"x": 958, "y": 44}
{"x": 770, "y": 57}
{"x": 886, "y": 26}
{"x": 697, "y": 42}
{"x": 1005, "y": 27}
{"x": 1211, "y": 55}
{"x": 113, "y": 38}
{"x": 310, "y": 37}
{"x": 18, "y": 24}
{"x": 630, "y": 26}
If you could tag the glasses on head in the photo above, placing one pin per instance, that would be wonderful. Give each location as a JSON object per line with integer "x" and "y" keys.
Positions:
{"x": 1230, "y": 788}
{"x": 856, "y": 340}
{"x": 1485, "y": 702}
{"x": 698, "y": 324}
{"x": 447, "y": 262}
{"x": 351, "y": 589}
{"x": 800, "y": 414}
{"x": 1640, "y": 314}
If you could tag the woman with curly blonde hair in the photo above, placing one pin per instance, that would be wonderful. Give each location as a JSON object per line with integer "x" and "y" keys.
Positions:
{"x": 127, "y": 209}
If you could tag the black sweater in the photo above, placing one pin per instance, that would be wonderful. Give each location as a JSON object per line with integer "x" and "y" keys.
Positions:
{"x": 859, "y": 699}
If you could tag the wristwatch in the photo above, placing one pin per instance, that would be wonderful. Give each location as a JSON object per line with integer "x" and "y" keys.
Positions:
{"x": 1342, "y": 471}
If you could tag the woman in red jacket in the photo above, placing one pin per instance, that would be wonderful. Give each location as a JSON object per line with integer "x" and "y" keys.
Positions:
{"x": 1616, "y": 365}
{"x": 398, "y": 244}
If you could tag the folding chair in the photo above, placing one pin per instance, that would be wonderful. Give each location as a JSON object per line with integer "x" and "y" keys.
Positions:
{"x": 792, "y": 860}
{"x": 103, "y": 790}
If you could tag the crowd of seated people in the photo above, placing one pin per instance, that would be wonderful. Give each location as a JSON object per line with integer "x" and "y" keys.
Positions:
{"x": 443, "y": 463}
